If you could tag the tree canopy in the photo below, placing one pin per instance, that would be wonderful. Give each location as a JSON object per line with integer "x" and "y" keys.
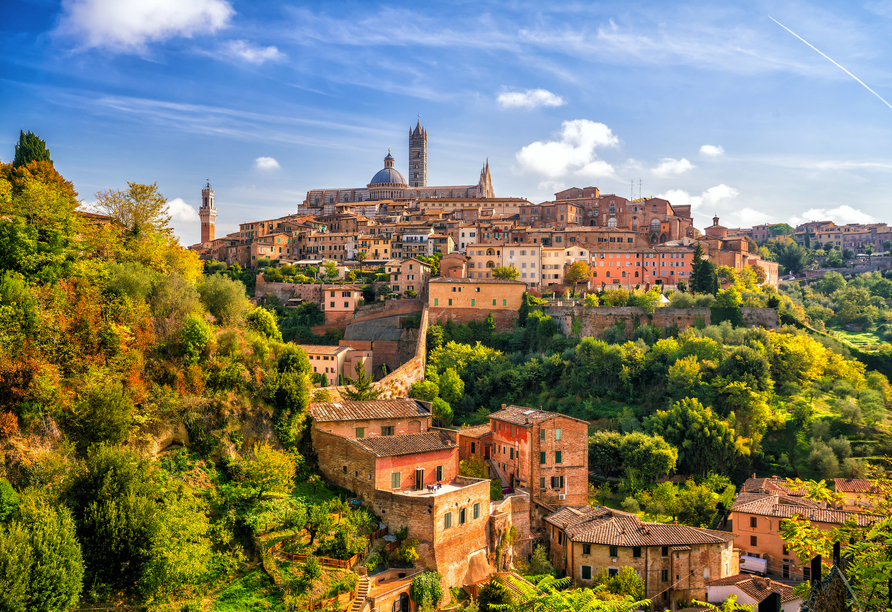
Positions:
{"x": 30, "y": 148}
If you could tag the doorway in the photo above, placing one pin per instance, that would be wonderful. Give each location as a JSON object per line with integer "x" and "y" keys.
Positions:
{"x": 419, "y": 479}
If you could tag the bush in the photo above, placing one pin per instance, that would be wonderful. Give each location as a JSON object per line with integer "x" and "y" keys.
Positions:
{"x": 495, "y": 490}
{"x": 196, "y": 335}
{"x": 131, "y": 279}
{"x": 630, "y": 504}
{"x": 224, "y": 298}
{"x": 427, "y": 587}
{"x": 104, "y": 413}
{"x": 264, "y": 322}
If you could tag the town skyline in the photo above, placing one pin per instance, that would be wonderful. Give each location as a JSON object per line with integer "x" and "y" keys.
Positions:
{"x": 720, "y": 108}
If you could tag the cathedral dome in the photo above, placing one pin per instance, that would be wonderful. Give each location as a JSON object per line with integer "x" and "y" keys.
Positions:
{"x": 389, "y": 175}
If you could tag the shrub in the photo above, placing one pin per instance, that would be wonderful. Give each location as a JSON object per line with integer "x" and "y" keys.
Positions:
{"x": 495, "y": 490}
{"x": 9, "y": 425}
{"x": 426, "y": 586}
{"x": 104, "y": 413}
{"x": 264, "y": 322}
{"x": 196, "y": 335}
{"x": 224, "y": 298}
{"x": 132, "y": 279}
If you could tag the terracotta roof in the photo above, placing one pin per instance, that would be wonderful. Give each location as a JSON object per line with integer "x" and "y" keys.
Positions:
{"x": 323, "y": 349}
{"x": 756, "y": 587}
{"x": 774, "y": 485}
{"x": 526, "y": 417}
{"x": 606, "y": 526}
{"x": 407, "y": 444}
{"x": 780, "y": 506}
{"x": 478, "y": 431}
{"x": 853, "y": 485}
{"x": 324, "y": 412}
{"x": 476, "y": 281}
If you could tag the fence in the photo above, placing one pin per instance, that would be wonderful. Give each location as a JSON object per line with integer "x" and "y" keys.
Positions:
{"x": 324, "y": 603}
{"x": 326, "y": 561}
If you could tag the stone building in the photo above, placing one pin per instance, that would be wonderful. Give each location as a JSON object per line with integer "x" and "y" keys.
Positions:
{"x": 390, "y": 184}
{"x": 475, "y": 442}
{"x": 750, "y": 589}
{"x": 372, "y": 418}
{"x": 543, "y": 453}
{"x": 675, "y": 561}
{"x": 392, "y": 473}
{"x": 858, "y": 494}
{"x": 759, "y": 509}
{"x": 408, "y": 275}
{"x": 471, "y": 299}
{"x": 207, "y": 213}
{"x": 337, "y": 363}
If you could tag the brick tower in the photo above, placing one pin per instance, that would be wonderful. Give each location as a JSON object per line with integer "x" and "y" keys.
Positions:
{"x": 418, "y": 156}
{"x": 207, "y": 213}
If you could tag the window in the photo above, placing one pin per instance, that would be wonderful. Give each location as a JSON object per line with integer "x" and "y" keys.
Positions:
{"x": 664, "y": 575}
{"x": 395, "y": 480}
{"x": 447, "y": 520}
{"x": 475, "y": 512}
{"x": 472, "y": 302}
{"x": 436, "y": 301}
{"x": 754, "y": 522}
{"x": 665, "y": 551}
{"x": 504, "y": 302}
{"x": 345, "y": 469}
{"x": 473, "y": 448}
{"x": 439, "y": 472}
{"x": 542, "y": 458}
{"x": 557, "y": 434}
{"x": 557, "y": 456}
{"x": 542, "y": 483}
{"x": 557, "y": 482}
{"x": 462, "y": 516}
{"x": 493, "y": 302}
{"x": 450, "y": 301}
{"x": 636, "y": 551}
{"x": 541, "y": 434}
{"x": 586, "y": 572}
{"x": 512, "y": 453}
{"x": 387, "y": 430}
{"x": 612, "y": 571}
{"x": 360, "y": 432}
{"x": 754, "y": 541}
{"x": 613, "y": 551}
{"x": 586, "y": 549}
{"x": 560, "y": 537}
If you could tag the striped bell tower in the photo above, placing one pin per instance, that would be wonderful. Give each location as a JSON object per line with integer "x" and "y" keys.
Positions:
{"x": 207, "y": 213}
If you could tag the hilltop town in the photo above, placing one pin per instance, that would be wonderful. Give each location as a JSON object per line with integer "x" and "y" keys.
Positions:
{"x": 409, "y": 397}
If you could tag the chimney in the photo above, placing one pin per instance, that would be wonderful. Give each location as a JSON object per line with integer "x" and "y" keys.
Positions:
{"x": 772, "y": 603}
{"x": 815, "y": 571}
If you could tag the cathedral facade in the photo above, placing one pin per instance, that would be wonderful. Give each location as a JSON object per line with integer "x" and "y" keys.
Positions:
{"x": 389, "y": 184}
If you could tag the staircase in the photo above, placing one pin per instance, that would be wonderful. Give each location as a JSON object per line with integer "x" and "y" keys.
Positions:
{"x": 362, "y": 589}
{"x": 494, "y": 470}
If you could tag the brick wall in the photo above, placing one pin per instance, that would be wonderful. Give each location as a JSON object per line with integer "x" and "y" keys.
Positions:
{"x": 347, "y": 429}
{"x": 595, "y": 320}
{"x": 335, "y": 454}
{"x": 512, "y": 511}
{"x": 504, "y": 318}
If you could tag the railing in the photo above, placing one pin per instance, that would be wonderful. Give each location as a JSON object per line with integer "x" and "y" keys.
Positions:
{"x": 326, "y": 561}
{"x": 322, "y": 604}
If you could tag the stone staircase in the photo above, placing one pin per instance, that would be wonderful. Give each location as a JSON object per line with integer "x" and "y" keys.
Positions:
{"x": 494, "y": 470}
{"x": 362, "y": 591}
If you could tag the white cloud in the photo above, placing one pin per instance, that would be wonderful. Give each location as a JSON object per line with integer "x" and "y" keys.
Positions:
{"x": 712, "y": 151}
{"x": 841, "y": 216}
{"x": 747, "y": 217}
{"x": 669, "y": 166}
{"x": 531, "y": 98}
{"x": 574, "y": 151}
{"x": 129, "y": 26}
{"x": 713, "y": 195}
{"x": 249, "y": 52}
{"x": 266, "y": 163}
{"x": 180, "y": 211}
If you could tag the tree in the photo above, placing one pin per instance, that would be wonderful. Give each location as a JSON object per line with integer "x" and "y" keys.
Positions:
{"x": 270, "y": 471}
{"x": 705, "y": 441}
{"x": 139, "y": 208}
{"x": 577, "y": 272}
{"x": 452, "y": 387}
{"x": 16, "y": 559}
{"x": 30, "y": 148}
{"x": 442, "y": 412}
{"x": 831, "y": 283}
{"x": 361, "y": 388}
{"x": 264, "y": 322}
{"x": 103, "y": 413}
{"x": 9, "y": 501}
{"x": 331, "y": 270}
{"x": 650, "y": 455}
{"x": 539, "y": 564}
{"x": 494, "y": 593}
{"x": 684, "y": 376}
{"x": 424, "y": 390}
{"x": 474, "y": 467}
{"x": 505, "y": 273}
{"x": 426, "y": 586}
{"x": 704, "y": 277}
{"x": 626, "y": 582}
{"x": 746, "y": 365}
{"x": 361, "y": 257}
{"x": 224, "y": 298}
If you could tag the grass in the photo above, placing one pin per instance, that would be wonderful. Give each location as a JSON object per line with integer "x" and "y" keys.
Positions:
{"x": 857, "y": 339}
{"x": 255, "y": 591}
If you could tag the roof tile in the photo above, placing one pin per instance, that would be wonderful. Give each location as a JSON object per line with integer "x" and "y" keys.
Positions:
{"x": 324, "y": 412}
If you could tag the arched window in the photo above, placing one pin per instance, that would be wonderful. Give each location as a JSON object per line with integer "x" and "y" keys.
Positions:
{"x": 612, "y": 209}
{"x": 655, "y": 225}
{"x": 634, "y": 224}
{"x": 490, "y": 252}
{"x": 490, "y": 264}
{"x": 611, "y": 222}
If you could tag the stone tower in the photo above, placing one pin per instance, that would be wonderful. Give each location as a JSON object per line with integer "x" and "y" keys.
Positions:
{"x": 418, "y": 156}
{"x": 207, "y": 213}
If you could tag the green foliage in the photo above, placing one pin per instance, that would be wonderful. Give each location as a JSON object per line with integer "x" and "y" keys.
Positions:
{"x": 452, "y": 387}
{"x": 139, "y": 208}
{"x": 474, "y": 467}
{"x": 611, "y": 452}
{"x": 493, "y": 594}
{"x": 224, "y": 298}
{"x": 505, "y": 272}
{"x": 539, "y": 564}
{"x": 103, "y": 413}
{"x": 9, "y": 501}
{"x": 30, "y": 148}
{"x": 196, "y": 335}
{"x": 426, "y": 585}
{"x": 424, "y": 390}
{"x": 270, "y": 471}
{"x": 442, "y": 412}
{"x": 495, "y": 490}
{"x": 264, "y": 322}
{"x": 626, "y": 582}
{"x": 361, "y": 388}
{"x": 16, "y": 559}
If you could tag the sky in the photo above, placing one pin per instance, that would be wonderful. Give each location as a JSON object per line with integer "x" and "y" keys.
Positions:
{"x": 753, "y": 111}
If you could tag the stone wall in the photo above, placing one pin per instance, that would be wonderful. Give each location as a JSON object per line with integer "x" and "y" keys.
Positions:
{"x": 287, "y": 291}
{"x": 504, "y": 318}
{"x": 513, "y": 511}
{"x": 593, "y": 321}
{"x": 397, "y": 383}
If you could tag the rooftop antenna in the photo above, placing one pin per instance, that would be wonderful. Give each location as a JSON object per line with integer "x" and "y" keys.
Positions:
{"x": 639, "y": 188}
{"x": 631, "y": 189}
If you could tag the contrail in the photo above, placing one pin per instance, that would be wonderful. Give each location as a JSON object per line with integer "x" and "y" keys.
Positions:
{"x": 831, "y": 61}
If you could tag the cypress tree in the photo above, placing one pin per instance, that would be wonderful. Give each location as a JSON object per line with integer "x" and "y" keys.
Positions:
{"x": 30, "y": 148}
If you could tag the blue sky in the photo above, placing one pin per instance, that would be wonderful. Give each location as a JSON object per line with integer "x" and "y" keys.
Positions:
{"x": 712, "y": 103}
